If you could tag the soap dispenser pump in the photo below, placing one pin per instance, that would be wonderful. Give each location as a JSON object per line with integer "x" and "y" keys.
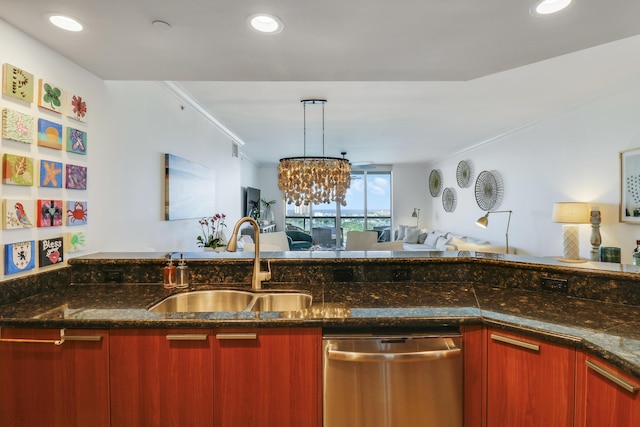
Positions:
{"x": 182, "y": 274}
{"x": 169, "y": 274}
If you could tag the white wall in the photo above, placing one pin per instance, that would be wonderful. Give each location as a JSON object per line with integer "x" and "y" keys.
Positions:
{"x": 130, "y": 126}
{"x": 573, "y": 156}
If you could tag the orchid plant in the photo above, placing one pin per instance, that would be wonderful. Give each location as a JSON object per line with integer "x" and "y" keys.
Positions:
{"x": 212, "y": 236}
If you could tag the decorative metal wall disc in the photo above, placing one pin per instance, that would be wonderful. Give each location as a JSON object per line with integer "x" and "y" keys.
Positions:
{"x": 449, "y": 199}
{"x": 435, "y": 182}
{"x": 463, "y": 174}
{"x": 489, "y": 190}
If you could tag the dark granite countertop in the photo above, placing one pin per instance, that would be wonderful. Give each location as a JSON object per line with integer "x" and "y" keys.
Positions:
{"x": 611, "y": 331}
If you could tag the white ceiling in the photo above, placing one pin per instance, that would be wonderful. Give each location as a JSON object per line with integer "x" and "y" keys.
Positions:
{"x": 406, "y": 81}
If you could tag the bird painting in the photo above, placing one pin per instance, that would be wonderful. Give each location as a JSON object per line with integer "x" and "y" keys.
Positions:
{"x": 22, "y": 215}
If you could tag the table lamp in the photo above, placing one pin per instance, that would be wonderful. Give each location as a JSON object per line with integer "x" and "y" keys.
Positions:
{"x": 570, "y": 214}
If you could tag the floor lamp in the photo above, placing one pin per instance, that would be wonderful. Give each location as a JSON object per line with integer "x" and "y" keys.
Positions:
{"x": 484, "y": 222}
{"x": 570, "y": 214}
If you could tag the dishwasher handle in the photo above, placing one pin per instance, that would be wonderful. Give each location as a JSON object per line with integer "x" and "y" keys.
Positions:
{"x": 415, "y": 356}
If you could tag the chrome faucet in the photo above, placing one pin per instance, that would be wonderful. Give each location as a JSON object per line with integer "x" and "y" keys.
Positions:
{"x": 232, "y": 245}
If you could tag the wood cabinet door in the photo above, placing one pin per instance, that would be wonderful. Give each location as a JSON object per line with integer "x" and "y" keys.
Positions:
{"x": 47, "y": 384}
{"x": 161, "y": 377}
{"x": 530, "y": 382}
{"x": 475, "y": 375}
{"x": 605, "y": 395}
{"x": 268, "y": 377}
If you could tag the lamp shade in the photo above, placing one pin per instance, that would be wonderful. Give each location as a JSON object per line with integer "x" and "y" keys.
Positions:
{"x": 571, "y": 213}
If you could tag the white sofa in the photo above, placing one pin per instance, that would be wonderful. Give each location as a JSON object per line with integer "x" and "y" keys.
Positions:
{"x": 414, "y": 239}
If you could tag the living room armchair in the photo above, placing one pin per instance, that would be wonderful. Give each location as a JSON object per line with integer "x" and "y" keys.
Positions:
{"x": 299, "y": 240}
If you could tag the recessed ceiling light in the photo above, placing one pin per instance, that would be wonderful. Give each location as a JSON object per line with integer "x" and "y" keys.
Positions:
{"x": 64, "y": 22}
{"x": 546, "y": 7}
{"x": 266, "y": 23}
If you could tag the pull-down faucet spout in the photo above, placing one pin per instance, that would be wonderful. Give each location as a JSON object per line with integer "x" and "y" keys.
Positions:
{"x": 258, "y": 275}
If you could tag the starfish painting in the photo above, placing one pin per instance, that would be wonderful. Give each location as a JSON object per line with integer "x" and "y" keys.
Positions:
{"x": 50, "y": 174}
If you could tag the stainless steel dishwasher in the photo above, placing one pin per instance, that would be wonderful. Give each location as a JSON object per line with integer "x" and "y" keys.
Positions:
{"x": 394, "y": 380}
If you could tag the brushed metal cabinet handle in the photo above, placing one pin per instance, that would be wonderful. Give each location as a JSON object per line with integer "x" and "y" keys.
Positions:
{"x": 89, "y": 338}
{"x": 187, "y": 337}
{"x": 354, "y": 356}
{"x": 515, "y": 342}
{"x": 238, "y": 336}
{"x": 621, "y": 382}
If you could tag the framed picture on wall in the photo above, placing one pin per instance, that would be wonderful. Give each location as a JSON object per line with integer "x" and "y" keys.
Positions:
{"x": 630, "y": 186}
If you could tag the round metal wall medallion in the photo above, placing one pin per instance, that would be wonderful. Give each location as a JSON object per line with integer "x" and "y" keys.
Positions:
{"x": 435, "y": 182}
{"x": 463, "y": 174}
{"x": 489, "y": 189}
{"x": 449, "y": 199}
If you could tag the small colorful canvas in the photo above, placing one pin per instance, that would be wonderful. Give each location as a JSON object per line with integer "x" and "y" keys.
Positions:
{"x": 50, "y": 251}
{"x": 17, "y": 170}
{"x": 75, "y": 241}
{"x": 50, "y": 96}
{"x": 18, "y": 213}
{"x": 50, "y": 174}
{"x": 17, "y": 126}
{"x": 49, "y": 213}
{"x": 76, "y": 212}
{"x": 76, "y": 177}
{"x": 49, "y": 134}
{"x": 17, "y": 83}
{"x": 76, "y": 141}
{"x": 77, "y": 107}
{"x": 19, "y": 257}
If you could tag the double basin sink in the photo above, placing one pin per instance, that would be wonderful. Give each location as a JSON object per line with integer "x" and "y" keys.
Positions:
{"x": 233, "y": 300}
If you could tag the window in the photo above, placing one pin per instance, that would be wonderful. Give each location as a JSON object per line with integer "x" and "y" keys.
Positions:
{"x": 368, "y": 208}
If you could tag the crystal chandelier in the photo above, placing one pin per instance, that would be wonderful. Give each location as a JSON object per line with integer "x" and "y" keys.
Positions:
{"x": 316, "y": 180}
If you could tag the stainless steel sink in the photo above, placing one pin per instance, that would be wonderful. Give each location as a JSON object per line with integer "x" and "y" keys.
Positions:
{"x": 205, "y": 301}
{"x": 231, "y": 300}
{"x": 288, "y": 301}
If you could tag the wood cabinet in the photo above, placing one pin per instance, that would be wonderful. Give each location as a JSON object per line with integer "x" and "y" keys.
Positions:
{"x": 268, "y": 377}
{"x": 162, "y": 377}
{"x": 53, "y": 377}
{"x": 530, "y": 383}
{"x": 605, "y": 395}
{"x": 475, "y": 378}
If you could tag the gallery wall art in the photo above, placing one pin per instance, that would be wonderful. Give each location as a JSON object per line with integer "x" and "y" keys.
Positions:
{"x": 77, "y": 107}
{"x": 76, "y": 141}
{"x": 189, "y": 189}
{"x": 76, "y": 212}
{"x": 49, "y": 134}
{"x": 17, "y": 126}
{"x": 17, "y": 83}
{"x": 75, "y": 241}
{"x": 50, "y": 96}
{"x": 50, "y": 251}
{"x": 49, "y": 213}
{"x": 19, "y": 257}
{"x": 17, "y": 169}
{"x": 50, "y": 174}
{"x": 18, "y": 213}
{"x": 76, "y": 177}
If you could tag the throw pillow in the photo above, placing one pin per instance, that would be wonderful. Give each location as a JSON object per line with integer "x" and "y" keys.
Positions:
{"x": 441, "y": 243}
{"x": 402, "y": 229}
{"x": 431, "y": 239}
{"x": 411, "y": 235}
{"x": 421, "y": 238}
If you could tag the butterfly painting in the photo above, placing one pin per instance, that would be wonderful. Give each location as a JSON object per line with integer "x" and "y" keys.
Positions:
{"x": 76, "y": 141}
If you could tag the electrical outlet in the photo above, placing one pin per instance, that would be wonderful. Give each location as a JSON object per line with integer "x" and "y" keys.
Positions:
{"x": 113, "y": 275}
{"x": 401, "y": 275}
{"x": 554, "y": 285}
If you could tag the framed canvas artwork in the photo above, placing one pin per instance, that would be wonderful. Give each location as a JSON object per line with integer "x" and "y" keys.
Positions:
{"x": 17, "y": 126}
{"x": 50, "y": 251}
{"x": 50, "y": 174}
{"x": 76, "y": 177}
{"x": 50, "y": 96}
{"x": 75, "y": 241}
{"x": 17, "y": 83}
{"x": 18, "y": 213}
{"x": 17, "y": 170}
{"x": 49, "y": 213}
{"x": 77, "y": 107}
{"x": 189, "y": 189}
{"x": 19, "y": 257}
{"x": 49, "y": 134}
{"x": 630, "y": 186}
{"x": 76, "y": 141}
{"x": 76, "y": 212}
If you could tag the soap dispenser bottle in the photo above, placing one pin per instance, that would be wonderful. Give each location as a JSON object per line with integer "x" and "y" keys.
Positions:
{"x": 169, "y": 274}
{"x": 182, "y": 274}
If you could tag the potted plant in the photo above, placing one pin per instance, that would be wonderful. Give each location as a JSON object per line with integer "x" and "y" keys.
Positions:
{"x": 267, "y": 215}
{"x": 212, "y": 232}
